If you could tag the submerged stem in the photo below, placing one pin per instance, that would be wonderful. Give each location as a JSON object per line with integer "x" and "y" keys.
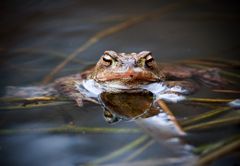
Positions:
{"x": 218, "y": 152}
{"x": 209, "y": 100}
{"x": 139, "y": 151}
{"x": 214, "y": 123}
{"x": 165, "y": 108}
{"x": 204, "y": 116}
{"x": 120, "y": 151}
{"x": 69, "y": 129}
{"x": 226, "y": 91}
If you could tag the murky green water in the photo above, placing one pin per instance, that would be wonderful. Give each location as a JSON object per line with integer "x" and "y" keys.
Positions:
{"x": 38, "y": 35}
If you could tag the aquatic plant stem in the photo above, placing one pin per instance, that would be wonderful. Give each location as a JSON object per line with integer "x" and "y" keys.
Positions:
{"x": 33, "y": 99}
{"x": 208, "y": 148}
{"x": 33, "y": 102}
{"x": 47, "y": 52}
{"x": 226, "y": 91}
{"x": 208, "y": 100}
{"x": 139, "y": 151}
{"x": 120, "y": 151}
{"x": 214, "y": 123}
{"x": 31, "y": 106}
{"x": 165, "y": 108}
{"x": 204, "y": 116}
{"x": 205, "y": 160}
{"x": 70, "y": 129}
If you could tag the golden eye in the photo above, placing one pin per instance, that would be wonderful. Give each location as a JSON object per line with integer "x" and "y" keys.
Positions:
{"x": 107, "y": 60}
{"x": 149, "y": 61}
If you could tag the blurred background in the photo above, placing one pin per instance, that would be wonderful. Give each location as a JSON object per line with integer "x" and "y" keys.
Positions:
{"x": 37, "y": 35}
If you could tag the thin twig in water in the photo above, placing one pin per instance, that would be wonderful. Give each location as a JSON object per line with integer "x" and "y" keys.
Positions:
{"x": 70, "y": 129}
{"x": 204, "y": 116}
{"x": 120, "y": 151}
{"x": 48, "y": 52}
{"x": 208, "y": 100}
{"x": 226, "y": 91}
{"x": 33, "y": 102}
{"x": 36, "y": 99}
{"x": 139, "y": 151}
{"x": 218, "y": 153}
{"x": 165, "y": 108}
{"x": 214, "y": 123}
{"x": 211, "y": 147}
{"x": 31, "y": 106}
{"x": 187, "y": 160}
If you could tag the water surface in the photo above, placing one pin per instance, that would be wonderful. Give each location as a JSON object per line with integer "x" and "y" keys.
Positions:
{"x": 38, "y": 35}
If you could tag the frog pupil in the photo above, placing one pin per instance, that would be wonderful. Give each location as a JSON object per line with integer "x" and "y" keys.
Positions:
{"x": 109, "y": 61}
{"x": 148, "y": 62}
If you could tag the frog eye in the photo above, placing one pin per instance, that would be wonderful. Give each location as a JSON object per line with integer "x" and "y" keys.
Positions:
{"x": 149, "y": 61}
{"x": 107, "y": 60}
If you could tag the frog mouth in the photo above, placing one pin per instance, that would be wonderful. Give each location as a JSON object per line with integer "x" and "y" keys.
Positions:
{"x": 128, "y": 76}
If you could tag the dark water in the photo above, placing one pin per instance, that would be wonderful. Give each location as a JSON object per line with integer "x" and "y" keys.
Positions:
{"x": 38, "y": 35}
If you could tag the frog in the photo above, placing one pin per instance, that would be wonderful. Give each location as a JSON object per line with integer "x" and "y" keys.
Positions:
{"x": 132, "y": 72}
{"x": 129, "y": 86}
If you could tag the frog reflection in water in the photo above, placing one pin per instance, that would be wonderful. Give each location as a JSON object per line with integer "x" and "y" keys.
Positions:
{"x": 132, "y": 73}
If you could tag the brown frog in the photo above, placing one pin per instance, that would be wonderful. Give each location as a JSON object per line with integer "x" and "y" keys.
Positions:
{"x": 132, "y": 72}
{"x": 128, "y": 86}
